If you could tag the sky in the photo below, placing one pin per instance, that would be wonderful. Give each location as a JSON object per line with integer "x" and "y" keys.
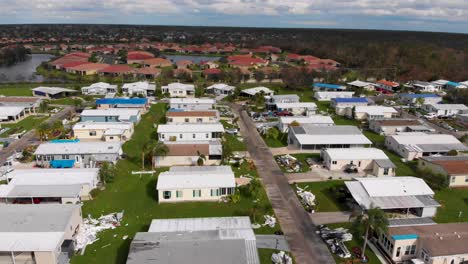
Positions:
{"x": 420, "y": 15}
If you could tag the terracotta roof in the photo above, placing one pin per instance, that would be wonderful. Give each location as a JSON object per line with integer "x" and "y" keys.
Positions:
{"x": 121, "y": 68}
{"x": 90, "y": 66}
{"x": 74, "y": 64}
{"x": 157, "y": 61}
{"x": 148, "y": 71}
{"x": 438, "y": 239}
{"x": 139, "y": 55}
{"x": 399, "y": 122}
{"x": 453, "y": 167}
{"x": 247, "y": 61}
{"x": 78, "y": 54}
{"x": 188, "y": 149}
{"x": 190, "y": 113}
{"x": 184, "y": 63}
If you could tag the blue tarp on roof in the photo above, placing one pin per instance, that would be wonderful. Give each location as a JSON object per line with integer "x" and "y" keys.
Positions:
{"x": 453, "y": 84}
{"x": 404, "y": 237}
{"x": 64, "y": 141}
{"x": 329, "y": 86}
{"x": 425, "y": 95}
{"x": 351, "y": 100}
{"x": 62, "y": 163}
{"x": 116, "y": 101}
{"x": 175, "y": 110}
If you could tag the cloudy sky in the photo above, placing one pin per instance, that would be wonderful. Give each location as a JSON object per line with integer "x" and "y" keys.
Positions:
{"x": 427, "y": 15}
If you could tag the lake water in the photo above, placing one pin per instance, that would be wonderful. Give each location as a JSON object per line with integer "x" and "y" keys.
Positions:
{"x": 24, "y": 71}
{"x": 195, "y": 59}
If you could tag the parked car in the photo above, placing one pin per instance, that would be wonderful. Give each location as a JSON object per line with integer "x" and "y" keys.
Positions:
{"x": 430, "y": 116}
{"x": 283, "y": 113}
{"x": 232, "y": 131}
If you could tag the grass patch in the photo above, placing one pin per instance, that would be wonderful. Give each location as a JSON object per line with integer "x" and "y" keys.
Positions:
{"x": 302, "y": 157}
{"x": 276, "y": 142}
{"x": 453, "y": 202}
{"x": 3, "y": 182}
{"x": 64, "y": 101}
{"x": 27, "y": 124}
{"x": 343, "y": 121}
{"x": 234, "y": 143}
{"x": 356, "y": 242}
{"x": 138, "y": 198}
{"x": 326, "y": 199}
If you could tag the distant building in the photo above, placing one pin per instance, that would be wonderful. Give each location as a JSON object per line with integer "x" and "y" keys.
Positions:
{"x": 396, "y": 125}
{"x": 53, "y": 92}
{"x": 139, "y": 88}
{"x": 416, "y": 145}
{"x": 30, "y": 104}
{"x": 11, "y": 113}
{"x": 195, "y": 183}
{"x": 298, "y": 109}
{"x": 190, "y": 132}
{"x": 251, "y": 92}
{"x": 445, "y": 109}
{"x": 100, "y": 88}
{"x": 426, "y": 98}
{"x": 125, "y": 103}
{"x": 387, "y": 85}
{"x": 179, "y": 90}
{"x": 362, "y": 85}
{"x": 191, "y": 104}
{"x": 187, "y": 153}
{"x": 180, "y": 117}
{"x": 345, "y": 106}
{"x": 327, "y": 96}
{"x": 229, "y": 240}
{"x": 426, "y": 86}
{"x": 328, "y": 87}
{"x": 370, "y": 112}
{"x": 318, "y": 120}
{"x": 220, "y": 88}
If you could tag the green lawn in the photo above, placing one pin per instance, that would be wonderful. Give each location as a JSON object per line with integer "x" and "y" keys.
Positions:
{"x": 302, "y": 158}
{"x": 453, "y": 202}
{"x": 137, "y": 197}
{"x": 326, "y": 200}
{"x": 63, "y": 101}
{"x": 26, "y": 124}
{"x": 24, "y": 89}
{"x": 343, "y": 121}
{"x": 279, "y": 142}
{"x": 234, "y": 143}
{"x": 356, "y": 242}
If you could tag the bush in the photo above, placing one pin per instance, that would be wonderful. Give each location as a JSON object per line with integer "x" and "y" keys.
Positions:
{"x": 452, "y": 152}
{"x": 436, "y": 181}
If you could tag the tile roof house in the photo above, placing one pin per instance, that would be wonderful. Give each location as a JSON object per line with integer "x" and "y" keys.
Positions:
{"x": 455, "y": 168}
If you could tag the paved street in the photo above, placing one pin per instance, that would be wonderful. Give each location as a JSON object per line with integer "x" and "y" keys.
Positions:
{"x": 30, "y": 137}
{"x": 330, "y": 217}
{"x": 306, "y": 246}
{"x": 272, "y": 242}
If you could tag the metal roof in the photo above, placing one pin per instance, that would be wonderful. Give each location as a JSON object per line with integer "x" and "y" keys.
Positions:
{"x": 356, "y": 154}
{"x": 221, "y": 86}
{"x": 329, "y": 86}
{"x": 186, "y": 177}
{"x": 54, "y": 176}
{"x": 254, "y": 91}
{"x": 192, "y": 101}
{"x": 374, "y": 109}
{"x": 351, "y": 100}
{"x": 6, "y": 111}
{"x": 122, "y": 113}
{"x": 410, "y": 221}
{"x": 297, "y": 105}
{"x": 53, "y": 90}
{"x": 312, "y": 119}
{"x": 102, "y": 125}
{"x": 189, "y": 128}
{"x": 309, "y": 134}
{"x": 424, "y": 95}
{"x": 86, "y": 148}
{"x": 42, "y": 191}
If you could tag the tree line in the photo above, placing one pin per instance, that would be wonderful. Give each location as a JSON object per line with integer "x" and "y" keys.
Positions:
{"x": 12, "y": 55}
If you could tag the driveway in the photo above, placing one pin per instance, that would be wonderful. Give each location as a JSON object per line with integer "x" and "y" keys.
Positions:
{"x": 288, "y": 150}
{"x": 330, "y": 217}
{"x": 305, "y": 245}
{"x": 30, "y": 138}
{"x": 272, "y": 242}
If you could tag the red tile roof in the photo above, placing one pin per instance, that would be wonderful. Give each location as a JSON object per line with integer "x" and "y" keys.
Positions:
{"x": 139, "y": 55}
{"x": 388, "y": 83}
{"x": 148, "y": 71}
{"x": 453, "y": 167}
{"x": 78, "y": 54}
{"x": 72, "y": 64}
{"x": 212, "y": 71}
{"x": 90, "y": 66}
{"x": 121, "y": 68}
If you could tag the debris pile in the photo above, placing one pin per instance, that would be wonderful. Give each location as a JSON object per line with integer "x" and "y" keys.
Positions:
{"x": 91, "y": 227}
{"x": 335, "y": 238}
{"x": 307, "y": 198}
{"x": 290, "y": 163}
{"x": 269, "y": 221}
{"x": 281, "y": 258}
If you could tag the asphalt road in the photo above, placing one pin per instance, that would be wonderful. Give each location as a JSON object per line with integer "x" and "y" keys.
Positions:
{"x": 30, "y": 138}
{"x": 306, "y": 246}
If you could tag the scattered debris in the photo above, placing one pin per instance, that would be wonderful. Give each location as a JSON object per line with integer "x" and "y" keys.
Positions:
{"x": 307, "y": 198}
{"x": 256, "y": 226}
{"x": 269, "y": 221}
{"x": 124, "y": 237}
{"x": 290, "y": 163}
{"x": 281, "y": 258}
{"x": 335, "y": 238}
{"x": 87, "y": 233}
{"x": 243, "y": 180}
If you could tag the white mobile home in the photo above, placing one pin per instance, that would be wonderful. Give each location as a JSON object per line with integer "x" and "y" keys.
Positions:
{"x": 416, "y": 145}
{"x": 403, "y": 195}
{"x": 297, "y": 109}
{"x": 195, "y": 183}
{"x": 187, "y": 153}
{"x": 139, "y": 88}
{"x": 313, "y": 137}
{"x": 251, "y": 92}
{"x": 100, "y": 88}
{"x": 103, "y": 131}
{"x": 40, "y": 234}
{"x": 111, "y": 115}
{"x": 327, "y": 96}
{"x": 189, "y": 104}
{"x": 318, "y": 120}
{"x": 202, "y": 116}
{"x": 370, "y": 160}
{"x": 446, "y": 109}
{"x": 220, "y": 89}
{"x": 179, "y": 90}
{"x": 396, "y": 125}
{"x": 190, "y": 132}
{"x": 35, "y": 186}
{"x": 370, "y": 112}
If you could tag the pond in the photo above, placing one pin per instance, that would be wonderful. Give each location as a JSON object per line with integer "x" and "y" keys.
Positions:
{"x": 24, "y": 71}
{"x": 194, "y": 59}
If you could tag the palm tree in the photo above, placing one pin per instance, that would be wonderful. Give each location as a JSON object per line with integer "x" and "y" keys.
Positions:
{"x": 158, "y": 150}
{"x": 201, "y": 159}
{"x": 375, "y": 219}
{"x": 42, "y": 130}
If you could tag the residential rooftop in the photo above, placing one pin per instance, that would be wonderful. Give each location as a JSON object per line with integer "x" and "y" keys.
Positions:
{"x": 85, "y": 148}
{"x": 356, "y": 153}
{"x": 189, "y": 177}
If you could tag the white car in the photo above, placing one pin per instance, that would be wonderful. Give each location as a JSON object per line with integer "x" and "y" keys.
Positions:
{"x": 430, "y": 116}
{"x": 232, "y": 131}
